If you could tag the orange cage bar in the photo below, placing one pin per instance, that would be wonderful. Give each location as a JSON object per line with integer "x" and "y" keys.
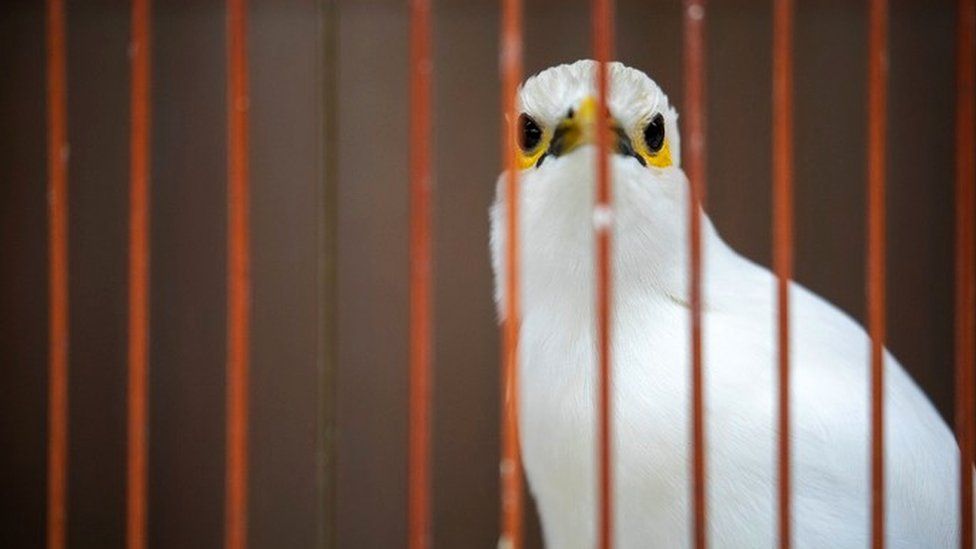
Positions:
{"x": 694, "y": 78}
{"x": 965, "y": 262}
{"x": 877, "y": 108}
{"x": 603, "y": 221}
{"x": 139, "y": 173}
{"x": 238, "y": 276}
{"x": 510, "y": 469}
{"x": 421, "y": 67}
{"x": 783, "y": 240}
{"x": 57, "y": 166}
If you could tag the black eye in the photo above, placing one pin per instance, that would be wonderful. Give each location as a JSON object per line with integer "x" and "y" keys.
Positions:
{"x": 530, "y": 134}
{"x": 654, "y": 133}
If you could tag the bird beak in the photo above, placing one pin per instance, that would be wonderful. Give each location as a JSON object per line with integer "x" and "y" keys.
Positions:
{"x": 580, "y": 127}
{"x": 576, "y": 129}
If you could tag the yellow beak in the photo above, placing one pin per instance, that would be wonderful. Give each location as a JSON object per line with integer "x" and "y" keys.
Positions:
{"x": 577, "y": 129}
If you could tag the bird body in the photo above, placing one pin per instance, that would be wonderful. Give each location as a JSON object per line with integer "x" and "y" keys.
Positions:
{"x": 650, "y": 353}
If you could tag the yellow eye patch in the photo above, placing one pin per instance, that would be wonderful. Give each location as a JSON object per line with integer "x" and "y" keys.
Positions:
{"x": 651, "y": 141}
{"x": 647, "y": 143}
{"x": 659, "y": 159}
{"x": 528, "y": 158}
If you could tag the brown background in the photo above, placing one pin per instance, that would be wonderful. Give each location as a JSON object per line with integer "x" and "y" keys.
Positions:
{"x": 290, "y": 158}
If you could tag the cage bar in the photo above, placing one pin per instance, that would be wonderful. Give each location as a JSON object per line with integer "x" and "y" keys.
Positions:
{"x": 139, "y": 172}
{"x": 783, "y": 241}
{"x": 877, "y": 106}
{"x": 239, "y": 276}
{"x": 421, "y": 67}
{"x": 602, "y": 15}
{"x": 510, "y": 469}
{"x": 694, "y": 79}
{"x": 965, "y": 262}
{"x": 58, "y": 334}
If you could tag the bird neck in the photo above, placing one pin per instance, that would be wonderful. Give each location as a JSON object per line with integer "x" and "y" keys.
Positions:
{"x": 564, "y": 285}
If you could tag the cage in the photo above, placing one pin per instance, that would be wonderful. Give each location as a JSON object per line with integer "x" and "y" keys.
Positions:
{"x": 174, "y": 109}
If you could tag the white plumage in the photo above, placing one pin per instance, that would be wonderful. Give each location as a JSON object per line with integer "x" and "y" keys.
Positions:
{"x": 651, "y": 365}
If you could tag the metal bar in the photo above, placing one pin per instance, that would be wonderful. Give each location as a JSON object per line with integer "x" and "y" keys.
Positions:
{"x": 238, "y": 276}
{"x": 877, "y": 105}
{"x": 965, "y": 262}
{"x": 139, "y": 174}
{"x": 783, "y": 239}
{"x": 421, "y": 67}
{"x": 510, "y": 469}
{"x": 694, "y": 77}
{"x": 602, "y": 16}
{"x": 58, "y": 334}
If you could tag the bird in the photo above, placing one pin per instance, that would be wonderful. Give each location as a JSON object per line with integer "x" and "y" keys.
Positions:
{"x": 558, "y": 114}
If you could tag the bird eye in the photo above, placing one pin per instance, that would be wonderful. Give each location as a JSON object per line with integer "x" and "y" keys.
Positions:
{"x": 530, "y": 134}
{"x": 654, "y": 133}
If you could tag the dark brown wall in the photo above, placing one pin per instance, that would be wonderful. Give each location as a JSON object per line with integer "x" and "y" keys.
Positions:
{"x": 287, "y": 160}
{"x": 23, "y": 270}
{"x": 98, "y": 138}
{"x": 188, "y": 273}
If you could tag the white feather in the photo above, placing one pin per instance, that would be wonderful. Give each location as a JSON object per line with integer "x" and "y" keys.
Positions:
{"x": 651, "y": 367}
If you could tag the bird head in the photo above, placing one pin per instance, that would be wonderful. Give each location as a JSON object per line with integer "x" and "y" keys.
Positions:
{"x": 556, "y": 128}
{"x": 560, "y": 114}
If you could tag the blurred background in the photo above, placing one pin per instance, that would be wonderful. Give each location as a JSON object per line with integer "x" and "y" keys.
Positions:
{"x": 340, "y": 70}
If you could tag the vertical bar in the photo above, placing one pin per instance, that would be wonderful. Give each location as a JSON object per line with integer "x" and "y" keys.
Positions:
{"x": 783, "y": 239}
{"x": 421, "y": 67}
{"x": 238, "y": 275}
{"x": 511, "y": 468}
{"x": 58, "y": 336}
{"x": 602, "y": 15}
{"x": 694, "y": 76}
{"x": 139, "y": 173}
{"x": 965, "y": 262}
{"x": 328, "y": 12}
{"x": 877, "y": 105}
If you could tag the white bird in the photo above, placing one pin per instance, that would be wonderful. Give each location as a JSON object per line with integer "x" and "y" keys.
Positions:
{"x": 651, "y": 356}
